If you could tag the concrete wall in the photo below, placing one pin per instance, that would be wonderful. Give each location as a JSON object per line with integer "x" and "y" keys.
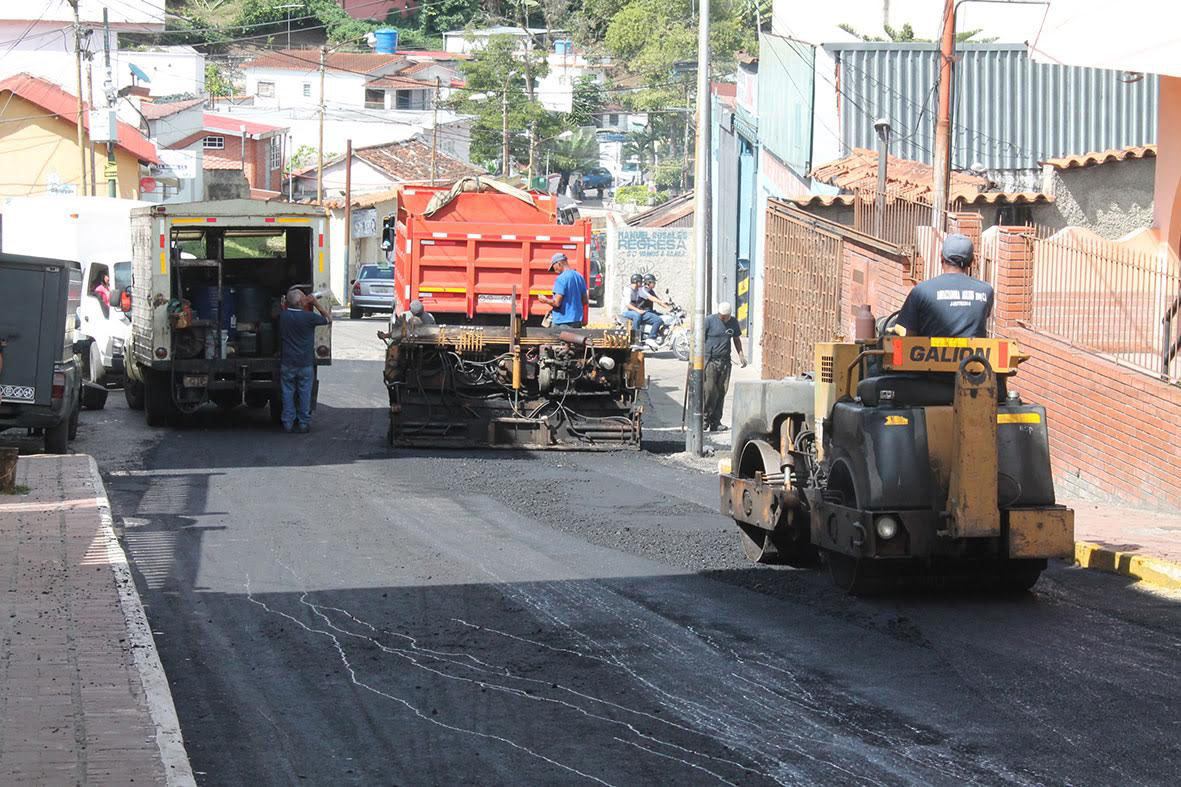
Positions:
{"x": 226, "y": 184}
{"x": 340, "y": 89}
{"x": 1112, "y": 199}
{"x": 665, "y": 252}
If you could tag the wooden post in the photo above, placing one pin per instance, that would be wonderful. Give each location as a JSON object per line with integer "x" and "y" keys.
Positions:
{"x": 942, "y": 159}
{"x": 8, "y": 470}
{"x": 348, "y": 210}
{"x": 82, "y": 191}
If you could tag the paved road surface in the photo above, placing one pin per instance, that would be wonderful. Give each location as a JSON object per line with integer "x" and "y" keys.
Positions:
{"x": 335, "y": 612}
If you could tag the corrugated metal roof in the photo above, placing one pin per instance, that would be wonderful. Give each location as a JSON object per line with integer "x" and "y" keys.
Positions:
{"x": 677, "y": 212}
{"x": 309, "y": 60}
{"x": 1008, "y": 112}
{"x": 1102, "y": 157}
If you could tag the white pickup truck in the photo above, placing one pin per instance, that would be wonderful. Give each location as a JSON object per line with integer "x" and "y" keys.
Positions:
{"x": 96, "y": 232}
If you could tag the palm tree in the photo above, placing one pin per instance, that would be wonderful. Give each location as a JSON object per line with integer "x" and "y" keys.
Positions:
{"x": 643, "y": 145}
{"x": 577, "y": 150}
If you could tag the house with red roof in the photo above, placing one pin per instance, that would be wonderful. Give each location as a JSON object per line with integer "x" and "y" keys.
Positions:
{"x": 290, "y": 78}
{"x": 39, "y": 144}
{"x": 230, "y": 143}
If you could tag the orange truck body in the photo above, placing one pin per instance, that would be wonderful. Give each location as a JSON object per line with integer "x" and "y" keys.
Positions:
{"x": 464, "y": 261}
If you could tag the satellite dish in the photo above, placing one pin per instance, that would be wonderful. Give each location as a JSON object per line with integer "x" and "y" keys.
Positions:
{"x": 139, "y": 73}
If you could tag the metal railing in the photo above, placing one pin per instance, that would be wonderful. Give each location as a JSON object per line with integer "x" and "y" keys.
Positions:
{"x": 1119, "y": 301}
{"x": 899, "y": 219}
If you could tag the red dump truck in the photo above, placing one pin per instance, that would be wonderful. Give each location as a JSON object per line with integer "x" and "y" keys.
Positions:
{"x": 483, "y": 370}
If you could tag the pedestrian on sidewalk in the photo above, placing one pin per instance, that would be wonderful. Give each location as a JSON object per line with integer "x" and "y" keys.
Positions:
{"x": 720, "y": 330}
{"x": 297, "y": 360}
{"x": 569, "y": 298}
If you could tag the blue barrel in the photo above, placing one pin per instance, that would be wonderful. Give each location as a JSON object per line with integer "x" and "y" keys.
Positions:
{"x": 205, "y": 300}
{"x": 254, "y": 304}
{"x": 387, "y": 41}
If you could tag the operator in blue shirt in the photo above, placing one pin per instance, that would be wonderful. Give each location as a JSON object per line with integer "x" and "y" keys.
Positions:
{"x": 569, "y": 298}
{"x": 297, "y": 360}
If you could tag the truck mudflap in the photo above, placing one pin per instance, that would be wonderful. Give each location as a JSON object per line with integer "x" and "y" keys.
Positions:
{"x": 513, "y": 387}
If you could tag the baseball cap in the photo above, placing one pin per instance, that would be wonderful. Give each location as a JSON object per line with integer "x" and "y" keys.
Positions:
{"x": 957, "y": 249}
{"x": 554, "y": 260}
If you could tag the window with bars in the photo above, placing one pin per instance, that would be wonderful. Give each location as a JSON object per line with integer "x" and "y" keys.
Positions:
{"x": 307, "y": 89}
{"x": 276, "y": 153}
{"x": 214, "y": 143}
{"x": 266, "y": 89}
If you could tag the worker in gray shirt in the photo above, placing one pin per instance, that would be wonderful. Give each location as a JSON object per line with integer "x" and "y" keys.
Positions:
{"x": 720, "y": 330}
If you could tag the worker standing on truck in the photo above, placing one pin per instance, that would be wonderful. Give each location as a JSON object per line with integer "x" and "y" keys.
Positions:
{"x": 952, "y": 304}
{"x": 720, "y": 330}
{"x": 569, "y": 298}
{"x": 297, "y": 361}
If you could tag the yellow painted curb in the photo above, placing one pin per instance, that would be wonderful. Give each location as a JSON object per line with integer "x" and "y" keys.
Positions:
{"x": 1152, "y": 570}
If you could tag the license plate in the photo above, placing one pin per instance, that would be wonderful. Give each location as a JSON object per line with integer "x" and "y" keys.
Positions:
{"x": 383, "y": 290}
{"x": 494, "y": 299}
{"x": 196, "y": 380}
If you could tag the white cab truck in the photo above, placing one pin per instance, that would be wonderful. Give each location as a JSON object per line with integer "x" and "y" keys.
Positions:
{"x": 208, "y": 281}
{"x": 95, "y": 232}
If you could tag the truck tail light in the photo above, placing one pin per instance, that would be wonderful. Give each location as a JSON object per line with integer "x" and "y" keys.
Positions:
{"x": 59, "y": 386}
{"x": 357, "y": 288}
{"x": 322, "y": 351}
{"x": 161, "y": 353}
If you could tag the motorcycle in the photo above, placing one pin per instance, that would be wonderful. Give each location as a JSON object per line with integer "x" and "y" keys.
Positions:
{"x": 671, "y": 334}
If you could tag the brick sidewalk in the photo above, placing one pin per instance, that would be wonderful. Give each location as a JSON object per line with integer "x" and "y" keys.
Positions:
{"x": 77, "y": 654}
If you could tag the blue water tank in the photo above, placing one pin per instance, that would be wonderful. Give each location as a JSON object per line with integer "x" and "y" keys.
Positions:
{"x": 563, "y": 46}
{"x": 387, "y": 41}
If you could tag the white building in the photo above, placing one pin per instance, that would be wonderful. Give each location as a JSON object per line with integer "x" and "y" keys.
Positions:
{"x": 465, "y": 42}
{"x": 171, "y": 70}
{"x": 39, "y": 38}
{"x": 290, "y": 78}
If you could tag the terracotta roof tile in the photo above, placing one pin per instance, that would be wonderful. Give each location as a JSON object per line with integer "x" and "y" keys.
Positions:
{"x": 154, "y": 111}
{"x": 53, "y": 99}
{"x": 906, "y": 178}
{"x": 309, "y": 60}
{"x": 233, "y": 125}
{"x": 407, "y": 161}
{"x": 401, "y": 82}
{"x": 1102, "y": 157}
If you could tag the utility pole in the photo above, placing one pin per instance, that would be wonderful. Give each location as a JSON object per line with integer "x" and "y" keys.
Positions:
{"x": 109, "y": 95}
{"x": 78, "y": 66}
{"x": 435, "y": 133}
{"x": 291, "y": 172}
{"x": 348, "y": 207}
{"x": 504, "y": 159}
{"x": 695, "y": 437}
{"x": 320, "y": 150}
{"x": 942, "y": 157}
{"x": 529, "y": 84}
{"x": 90, "y": 101}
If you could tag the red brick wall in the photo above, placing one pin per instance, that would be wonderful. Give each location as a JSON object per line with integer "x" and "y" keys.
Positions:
{"x": 1113, "y": 431}
{"x": 257, "y": 163}
{"x": 871, "y": 277}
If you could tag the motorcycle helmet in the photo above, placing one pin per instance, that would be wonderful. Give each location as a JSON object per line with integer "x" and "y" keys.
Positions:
{"x": 637, "y": 278}
{"x": 650, "y": 280}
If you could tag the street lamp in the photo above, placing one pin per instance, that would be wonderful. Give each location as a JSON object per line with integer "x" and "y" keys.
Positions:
{"x": 882, "y": 126}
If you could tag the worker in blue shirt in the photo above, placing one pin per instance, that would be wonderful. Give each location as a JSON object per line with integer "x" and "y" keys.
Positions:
{"x": 569, "y": 298}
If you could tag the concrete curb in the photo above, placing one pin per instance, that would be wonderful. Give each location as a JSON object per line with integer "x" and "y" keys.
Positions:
{"x": 1154, "y": 571}
{"x": 177, "y": 770}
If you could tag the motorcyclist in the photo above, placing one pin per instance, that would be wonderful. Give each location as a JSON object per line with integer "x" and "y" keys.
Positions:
{"x": 952, "y": 304}
{"x": 648, "y": 300}
{"x": 637, "y": 308}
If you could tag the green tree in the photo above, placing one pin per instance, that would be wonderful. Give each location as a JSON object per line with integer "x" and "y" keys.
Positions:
{"x": 438, "y": 17}
{"x": 643, "y": 145}
{"x": 495, "y": 87}
{"x": 216, "y": 82}
{"x": 573, "y": 151}
{"x": 587, "y": 103}
{"x": 652, "y": 38}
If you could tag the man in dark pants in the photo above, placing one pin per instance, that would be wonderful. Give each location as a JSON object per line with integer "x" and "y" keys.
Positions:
{"x": 720, "y": 330}
{"x": 297, "y": 359}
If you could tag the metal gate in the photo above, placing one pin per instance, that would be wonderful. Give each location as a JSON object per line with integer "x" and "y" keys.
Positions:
{"x": 802, "y": 301}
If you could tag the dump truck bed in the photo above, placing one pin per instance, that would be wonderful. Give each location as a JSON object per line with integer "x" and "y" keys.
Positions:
{"x": 464, "y": 259}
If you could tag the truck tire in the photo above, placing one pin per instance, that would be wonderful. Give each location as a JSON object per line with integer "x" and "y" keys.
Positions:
{"x": 57, "y": 438}
{"x": 133, "y": 392}
{"x": 158, "y": 407}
